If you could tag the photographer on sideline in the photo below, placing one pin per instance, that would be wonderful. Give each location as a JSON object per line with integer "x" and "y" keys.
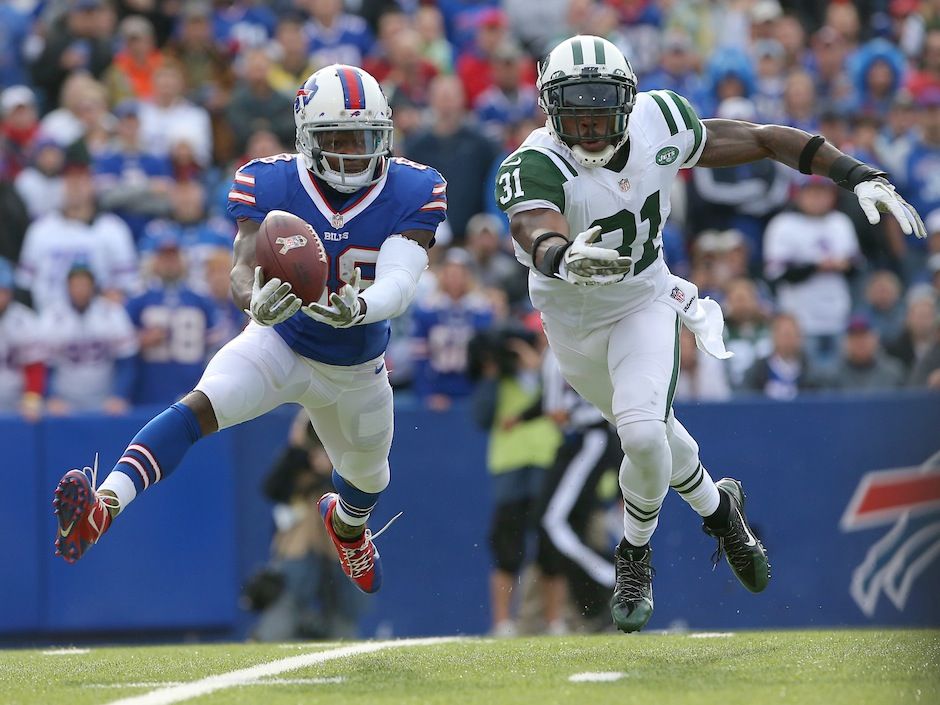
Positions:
{"x": 505, "y": 365}
{"x": 303, "y": 593}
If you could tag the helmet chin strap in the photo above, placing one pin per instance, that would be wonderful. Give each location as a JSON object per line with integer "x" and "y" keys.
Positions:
{"x": 591, "y": 159}
{"x": 353, "y": 182}
{"x": 583, "y": 156}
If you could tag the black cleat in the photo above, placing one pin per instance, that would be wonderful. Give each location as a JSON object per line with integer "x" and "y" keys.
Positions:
{"x": 745, "y": 553}
{"x": 632, "y": 604}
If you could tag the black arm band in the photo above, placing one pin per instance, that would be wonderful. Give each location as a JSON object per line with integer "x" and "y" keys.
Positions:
{"x": 552, "y": 258}
{"x": 809, "y": 151}
{"x": 848, "y": 172}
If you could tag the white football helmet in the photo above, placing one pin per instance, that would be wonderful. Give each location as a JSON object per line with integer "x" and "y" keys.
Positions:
{"x": 587, "y": 76}
{"x": 342, "y": 116}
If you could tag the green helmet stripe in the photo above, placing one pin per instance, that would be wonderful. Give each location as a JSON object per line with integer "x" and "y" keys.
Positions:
{"x": 667, "y": 113}
{"x": 599, "y": 57}
{"x": 577, "y": 52}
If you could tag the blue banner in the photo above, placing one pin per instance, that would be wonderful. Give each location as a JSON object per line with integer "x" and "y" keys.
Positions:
{"x": 844, "y": 492}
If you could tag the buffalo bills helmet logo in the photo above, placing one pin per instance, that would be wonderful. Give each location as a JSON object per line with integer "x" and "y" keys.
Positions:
{"x": 305, "y": 94}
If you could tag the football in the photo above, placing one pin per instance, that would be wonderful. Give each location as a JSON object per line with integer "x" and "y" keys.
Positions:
{"x": 288, "y": 248}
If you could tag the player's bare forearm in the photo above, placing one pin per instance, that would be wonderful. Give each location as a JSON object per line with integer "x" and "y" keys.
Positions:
{"x": 732, "y": 142}
{"x": 243, "y": 268}
{"x": 526, "y": 227}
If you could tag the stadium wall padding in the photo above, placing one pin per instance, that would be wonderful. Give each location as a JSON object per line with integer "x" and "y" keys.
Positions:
{"x": 175, "y": 561}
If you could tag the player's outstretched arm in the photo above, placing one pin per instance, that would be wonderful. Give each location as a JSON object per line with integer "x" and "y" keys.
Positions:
{"x": 267, "y": 302}
{"x": 544, "y": 234}
{"x": 732, "y": 142}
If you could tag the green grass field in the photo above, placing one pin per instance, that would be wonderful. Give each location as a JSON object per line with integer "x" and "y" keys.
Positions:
{"x": 832, "y": 667}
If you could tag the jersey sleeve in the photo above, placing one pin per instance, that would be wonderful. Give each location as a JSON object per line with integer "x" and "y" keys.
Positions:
{"x": 431, "y": 205}
{"x": 255, "y": 189}
{"x": 684, "y": 127}
{"x": 531, "y": 178}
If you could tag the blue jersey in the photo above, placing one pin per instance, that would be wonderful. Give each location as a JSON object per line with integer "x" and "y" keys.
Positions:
{"x": 409, "y": 196}
{"x": 443, "y": 329}
{"x": 168, "y": 370}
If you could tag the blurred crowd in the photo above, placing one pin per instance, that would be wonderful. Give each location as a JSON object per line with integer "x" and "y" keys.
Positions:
{"x": 122, "y": 122}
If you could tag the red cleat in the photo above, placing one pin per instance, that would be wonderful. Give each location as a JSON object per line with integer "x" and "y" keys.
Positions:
{"x": 82, "y": 513}
{"x": 359, "y": 558}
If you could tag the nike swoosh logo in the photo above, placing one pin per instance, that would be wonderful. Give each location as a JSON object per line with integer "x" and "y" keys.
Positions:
{"x": 513, "y": 162}
{"x": 379, "y": 368}
{"x": 751, "y": 540}
{"x": 64, "y": 533}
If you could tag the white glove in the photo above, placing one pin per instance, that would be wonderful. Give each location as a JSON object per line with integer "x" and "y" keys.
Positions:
{"x": 875, "y": 196}
{"x": 271, "y": 302}
{"x": 345, "y": 309}
{"x": 586, "y": 264}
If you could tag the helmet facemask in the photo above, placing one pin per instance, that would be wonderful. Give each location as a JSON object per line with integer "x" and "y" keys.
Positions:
{"x": 348, "y": 156}
{"x": 575, "y": 104}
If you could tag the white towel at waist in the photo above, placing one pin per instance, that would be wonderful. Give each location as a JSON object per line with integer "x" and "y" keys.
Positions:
{"x": 701, "y": 316}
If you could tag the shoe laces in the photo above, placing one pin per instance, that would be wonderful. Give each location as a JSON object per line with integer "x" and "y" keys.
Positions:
{"x": 734, "y": 546}
{"x": 91, "y": 473}
{"x": 359, "y": 557}
{"x": 633, "y": 579}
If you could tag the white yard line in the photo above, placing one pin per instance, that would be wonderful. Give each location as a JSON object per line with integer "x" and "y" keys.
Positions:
{"x": 246, "y": 676}
{"x": 710, "y": 635}
{"x": 70, "y": 651}
{"x": 596, "y": 677}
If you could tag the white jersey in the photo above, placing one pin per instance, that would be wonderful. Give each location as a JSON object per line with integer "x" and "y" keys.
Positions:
{"x": 822, "y": 302}
{"x": 19, "y": 346}
{"x": 630, "y": 201}
{"x": 54, "y": 243}
{"x": 82, "y": 348}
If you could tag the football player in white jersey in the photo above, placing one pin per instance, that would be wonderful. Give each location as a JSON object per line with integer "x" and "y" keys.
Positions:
{"x": 587, "y": 196}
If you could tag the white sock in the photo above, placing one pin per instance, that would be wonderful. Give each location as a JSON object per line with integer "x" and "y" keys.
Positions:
{"x": 698, "y": 489}
{"x": 123, "y": 488}
{"x": 348, "y": 518}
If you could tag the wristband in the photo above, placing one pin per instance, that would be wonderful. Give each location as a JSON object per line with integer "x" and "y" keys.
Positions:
{"x": 809, "y": 151}
{"x": 548, "y": 265}
{"x": 848, "y": 172}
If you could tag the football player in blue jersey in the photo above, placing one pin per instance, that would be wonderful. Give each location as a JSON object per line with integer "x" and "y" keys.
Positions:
{"x": 376, "y": 216}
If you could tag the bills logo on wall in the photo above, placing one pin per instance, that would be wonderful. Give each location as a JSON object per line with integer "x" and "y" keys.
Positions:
{"x": 907, "y": 500}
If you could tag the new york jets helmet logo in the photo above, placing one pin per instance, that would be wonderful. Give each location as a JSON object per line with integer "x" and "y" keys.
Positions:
{"x": 667, "y": 155}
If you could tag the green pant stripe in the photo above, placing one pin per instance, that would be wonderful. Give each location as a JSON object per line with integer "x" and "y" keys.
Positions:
{"x": 675, "y": 372}
{"x": 667, "y": 113}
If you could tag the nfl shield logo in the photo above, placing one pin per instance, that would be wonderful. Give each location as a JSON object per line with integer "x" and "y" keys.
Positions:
{"x": 337, "y": 220}
{"x": 677, "y": 294}
{"x": 624, "y": 185}
{"x": 291, "y": 243}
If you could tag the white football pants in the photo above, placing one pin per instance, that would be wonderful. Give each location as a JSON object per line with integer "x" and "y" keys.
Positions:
{"x": 350, "y": 407}
{"x": 629, "y": 372}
